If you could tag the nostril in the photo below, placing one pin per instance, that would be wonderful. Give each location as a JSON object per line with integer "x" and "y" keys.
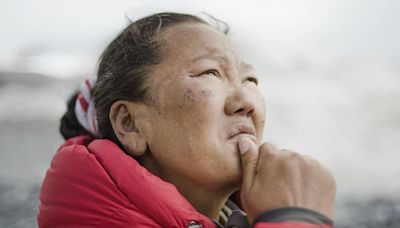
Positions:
{"x": 244, "y": 111}
{"x": 240, "y": 110}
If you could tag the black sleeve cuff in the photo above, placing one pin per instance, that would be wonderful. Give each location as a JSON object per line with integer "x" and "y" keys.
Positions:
{"x": 293, "y": 214}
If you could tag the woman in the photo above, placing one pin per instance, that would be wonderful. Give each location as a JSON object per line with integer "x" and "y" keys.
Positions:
{"x": 169, "y": 130}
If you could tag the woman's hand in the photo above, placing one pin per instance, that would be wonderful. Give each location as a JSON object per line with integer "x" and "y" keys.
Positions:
{"x": 274, "y": 178}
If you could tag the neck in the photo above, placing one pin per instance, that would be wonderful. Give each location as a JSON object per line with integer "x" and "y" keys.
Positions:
{"x": 207, "y": 202}
{"x": 205, "y": 199}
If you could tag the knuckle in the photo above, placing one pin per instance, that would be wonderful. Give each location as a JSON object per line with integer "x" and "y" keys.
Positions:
{"x": 267, "y": 146}
{"x": 265, "y": 153}
{"x": 263, "y": 147}
{"x": 309, "y": 158}
{"x": 313, "y": 163}
{"x": 267, "y": 149}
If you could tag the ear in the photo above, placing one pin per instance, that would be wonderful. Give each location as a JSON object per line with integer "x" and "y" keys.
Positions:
{"x": 122, "y": 118}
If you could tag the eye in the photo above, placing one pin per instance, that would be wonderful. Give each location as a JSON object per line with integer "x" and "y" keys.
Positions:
{"x": 212, "y": 72}
{"x": 252, "y": 79}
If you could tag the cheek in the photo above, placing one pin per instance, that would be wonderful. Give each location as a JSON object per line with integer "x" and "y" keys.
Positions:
{"x": 196, "y": 96}
{"x": 189, "y": 96}
{"x": 186, "y": 121}
{"x": 185, "y": 108}
{"x": 198, "y": 105}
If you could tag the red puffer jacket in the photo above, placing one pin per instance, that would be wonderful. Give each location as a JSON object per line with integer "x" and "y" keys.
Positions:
{"x": 95, "y": 184}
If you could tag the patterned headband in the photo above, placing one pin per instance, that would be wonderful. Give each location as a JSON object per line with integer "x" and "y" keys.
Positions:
{"x": 84, "y": 106}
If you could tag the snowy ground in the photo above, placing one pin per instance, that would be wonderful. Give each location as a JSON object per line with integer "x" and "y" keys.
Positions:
{"x": 349, "y": 119}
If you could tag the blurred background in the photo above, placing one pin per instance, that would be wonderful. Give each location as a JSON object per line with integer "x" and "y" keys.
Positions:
{"x": 330, "y": 72}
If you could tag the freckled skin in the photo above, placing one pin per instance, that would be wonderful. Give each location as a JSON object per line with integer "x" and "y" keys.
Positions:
{"x": 190, "y": 95}
{"x": 189, "y": 139}
{"x": 206, "y": 93}
{"x": 192, "y": 113}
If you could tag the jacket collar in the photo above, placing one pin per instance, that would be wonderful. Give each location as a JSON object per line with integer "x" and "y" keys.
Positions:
{"x": 156, "y": 198}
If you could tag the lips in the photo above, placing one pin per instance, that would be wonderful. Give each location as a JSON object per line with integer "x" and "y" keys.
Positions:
{"x": 243, "y": 130}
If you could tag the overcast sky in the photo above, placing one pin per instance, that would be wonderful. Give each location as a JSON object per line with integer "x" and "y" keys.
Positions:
{"x": 65, "y": 38}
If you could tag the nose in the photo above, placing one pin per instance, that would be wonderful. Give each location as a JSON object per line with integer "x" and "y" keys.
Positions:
{"x": 240, "y": 102}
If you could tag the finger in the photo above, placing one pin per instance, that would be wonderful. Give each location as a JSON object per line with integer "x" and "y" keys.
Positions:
{"x": 267, "y": 152}
{"x": 249, "y": 156}
{"x": 271, "y": 147}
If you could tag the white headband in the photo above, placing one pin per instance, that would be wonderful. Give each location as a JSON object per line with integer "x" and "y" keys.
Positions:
{"x": 85, "y": 110}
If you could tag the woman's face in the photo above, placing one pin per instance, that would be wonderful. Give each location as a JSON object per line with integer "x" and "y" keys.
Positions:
{"x": 203, "y": 99}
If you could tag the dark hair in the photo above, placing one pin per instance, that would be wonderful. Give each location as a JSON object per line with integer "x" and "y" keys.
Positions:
{"x": 124, "y": 66}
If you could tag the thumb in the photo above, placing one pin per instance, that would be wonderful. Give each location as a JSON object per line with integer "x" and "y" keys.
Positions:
{"x": 249, "y": 156}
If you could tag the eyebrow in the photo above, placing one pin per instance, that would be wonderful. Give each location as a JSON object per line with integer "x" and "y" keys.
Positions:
{"x": 222, "y": 59}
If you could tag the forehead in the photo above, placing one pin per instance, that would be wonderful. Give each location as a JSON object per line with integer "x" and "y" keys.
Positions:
{"x": 192, "y": 40}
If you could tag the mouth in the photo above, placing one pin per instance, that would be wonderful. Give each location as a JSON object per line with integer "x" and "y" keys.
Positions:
{"x": 243, "y": 130}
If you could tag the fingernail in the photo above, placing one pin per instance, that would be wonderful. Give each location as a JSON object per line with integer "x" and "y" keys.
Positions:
{"x": 244, "y": 145}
